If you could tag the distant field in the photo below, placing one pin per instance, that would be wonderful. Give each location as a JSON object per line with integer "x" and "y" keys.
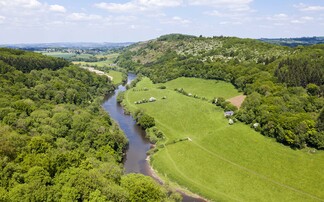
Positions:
{"x": 106, "y": 63}
{"x": 224, "y": 162}
{"x": 60, "y": 54}
{"x": 201, "y": 87}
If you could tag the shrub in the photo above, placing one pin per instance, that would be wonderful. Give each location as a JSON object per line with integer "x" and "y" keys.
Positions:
{"x": 120, "y": 97}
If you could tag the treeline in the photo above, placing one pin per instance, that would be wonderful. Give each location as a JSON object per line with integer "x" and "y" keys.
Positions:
{"x": 284, "y": 86}
{"x": 58, "y": 144}
{"x": 303, "y": 68}
{"x": 27, "y": 61}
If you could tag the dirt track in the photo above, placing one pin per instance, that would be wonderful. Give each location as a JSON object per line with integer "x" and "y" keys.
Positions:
{"x": 91, "y": 69}
{"x": 237, "y": 101}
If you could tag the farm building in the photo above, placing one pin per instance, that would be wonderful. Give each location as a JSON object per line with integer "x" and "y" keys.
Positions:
{"x": 228, "y": 113}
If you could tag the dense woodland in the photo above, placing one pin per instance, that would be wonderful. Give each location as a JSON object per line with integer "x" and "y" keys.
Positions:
{"x": 284, "y": 86}
{"x": 56, "y": 142}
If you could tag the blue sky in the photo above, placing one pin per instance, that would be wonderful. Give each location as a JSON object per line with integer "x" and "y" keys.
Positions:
{"x": 39, "y": 21}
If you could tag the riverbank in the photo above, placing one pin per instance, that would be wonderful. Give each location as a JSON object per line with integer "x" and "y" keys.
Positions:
{"x": 136, "y": 155}
{"x": 187, "y": 195}
{"x": 116, "y": 77}
{"x": 223, "y": 162}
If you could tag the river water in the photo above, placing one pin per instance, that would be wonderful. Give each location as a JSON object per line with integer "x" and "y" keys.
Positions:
{"x": 135, "y": 161}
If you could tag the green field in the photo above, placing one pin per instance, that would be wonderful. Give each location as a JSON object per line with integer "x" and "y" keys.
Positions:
{"x": 117, "y": 76}
{"x": 59, "y": 54}
{"x": 106, "y": 63}
{"x": 224, "y": 162}
{"x": 207, "y": 88}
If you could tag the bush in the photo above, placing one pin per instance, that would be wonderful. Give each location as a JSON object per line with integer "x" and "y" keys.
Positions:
{"x": 120, "y": 97}
{"x": 144, "y": 120}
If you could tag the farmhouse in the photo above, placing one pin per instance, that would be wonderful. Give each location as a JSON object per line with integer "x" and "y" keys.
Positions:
{"x": 228, "y": 113}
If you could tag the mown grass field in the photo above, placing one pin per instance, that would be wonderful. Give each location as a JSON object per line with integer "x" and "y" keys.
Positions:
{"x": 207, "y": 88}
{"x": 117, "y": 76}
{"x": 224, "y": 162}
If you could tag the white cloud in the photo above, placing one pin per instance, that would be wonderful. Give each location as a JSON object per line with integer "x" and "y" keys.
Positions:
{"x": 234, "y": 12}
{"x": 233, "y": 5}
{"x": 304, "y": 7}
{"x": 28, "y": 6}
{"x": 297, "y": 21}
{"x": 180, "y": 20}
{"x": 57, "y": 8}
{"x": 284, "y": 19}
{"x": 20, "y": 3}
{"x": 280, "y": 16}
{"x": 83, "y": 17}
{"x": 302, "y": 20}
{"x": 176, "y": 20}
{"x": 160, "y": 3}
{"x": 215, "y": 13}
{"x": 219, "y": 2}
{"x": 307, "y": 18}
{"x": 138, "y": 5}
{"x": 115, "y": 7}
{"x": 2, "y": 18}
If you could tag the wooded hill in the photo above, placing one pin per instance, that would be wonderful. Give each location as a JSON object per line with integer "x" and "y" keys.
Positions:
{"x": 56, "y": 141}
{"x": 284, "y": 86}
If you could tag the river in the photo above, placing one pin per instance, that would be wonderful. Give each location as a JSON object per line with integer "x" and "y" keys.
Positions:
{"x": 135, "y": 161}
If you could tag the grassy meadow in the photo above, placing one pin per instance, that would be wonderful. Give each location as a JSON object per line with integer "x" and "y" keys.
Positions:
{"x": 223, "y": 162}
{"x": 105, "y": 63}
{"x": 117, "y": 76}
{"x": 59, "y": 54}
{"x": 205, "y": 88}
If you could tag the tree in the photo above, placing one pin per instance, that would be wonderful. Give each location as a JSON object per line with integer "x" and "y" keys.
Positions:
{"x": 320, "y": 121}
{"x": 146, "y": 121}
{"x": 142, "y": 188}
{"x": 312, "y": 89}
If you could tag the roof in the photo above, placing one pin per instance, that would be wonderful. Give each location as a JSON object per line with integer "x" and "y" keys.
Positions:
{"x": 228, "y": 113}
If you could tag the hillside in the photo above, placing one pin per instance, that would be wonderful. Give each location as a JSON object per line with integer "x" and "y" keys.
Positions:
{"x": 284, "y": 86}
{"x": 200, "y": 150}
{"x": 56, "y": 141}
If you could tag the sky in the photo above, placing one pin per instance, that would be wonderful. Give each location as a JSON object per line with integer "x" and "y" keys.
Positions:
{"x": 46, "y": 21}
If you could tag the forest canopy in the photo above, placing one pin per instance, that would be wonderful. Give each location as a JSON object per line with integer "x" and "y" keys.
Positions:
{"x": 56, "y": 141}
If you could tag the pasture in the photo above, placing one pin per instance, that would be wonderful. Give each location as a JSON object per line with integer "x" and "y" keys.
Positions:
{"x": 202, "y": 87}
{"x": 59, "y": 54}
{"x": 223, "y": 162}
{"x": 117, "y": 76}
{"x": 110, "y": 58}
